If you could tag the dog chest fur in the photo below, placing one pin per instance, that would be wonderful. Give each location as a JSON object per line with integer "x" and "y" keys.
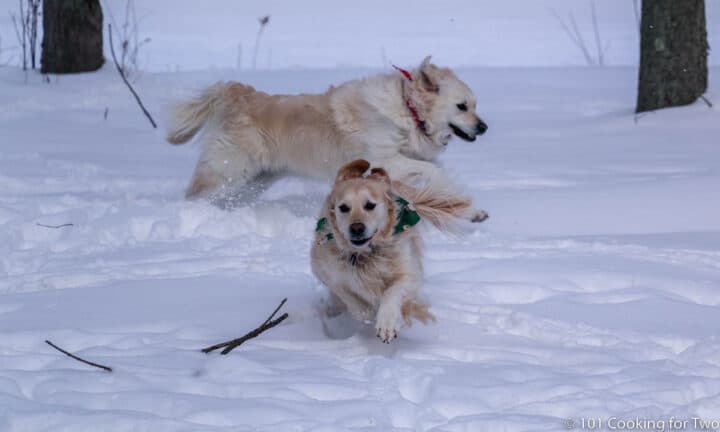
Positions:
{"x": 365, "y": 279}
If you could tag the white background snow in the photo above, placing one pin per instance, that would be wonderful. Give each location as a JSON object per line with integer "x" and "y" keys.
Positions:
{"x": 592, "y": 291}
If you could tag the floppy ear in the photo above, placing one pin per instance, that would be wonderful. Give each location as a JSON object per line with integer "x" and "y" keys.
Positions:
{"x": 379, "y": 174}
{"x": 353, "y": 169}
{"x": 428, "y": 78}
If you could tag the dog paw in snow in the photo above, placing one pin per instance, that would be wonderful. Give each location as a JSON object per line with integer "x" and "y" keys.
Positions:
{"x": 386, "y": 324}
{"x": 479, "y": 216}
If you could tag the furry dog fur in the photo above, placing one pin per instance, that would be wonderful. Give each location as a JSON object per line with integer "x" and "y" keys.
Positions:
{"x": 367, "y": 256}
{"x": 400, "y": 121}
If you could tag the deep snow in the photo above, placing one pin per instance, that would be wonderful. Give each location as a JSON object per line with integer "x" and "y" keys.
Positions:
{"x": 591, "y": 291}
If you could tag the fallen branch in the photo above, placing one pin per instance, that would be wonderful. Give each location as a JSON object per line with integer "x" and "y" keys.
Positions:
{"x": 268, "y": 324}
{"x": 54, "y": 226}
{"x": 277, "y": 309}
{"x": 109, "y": 369}
{"x": 122, "y": 75}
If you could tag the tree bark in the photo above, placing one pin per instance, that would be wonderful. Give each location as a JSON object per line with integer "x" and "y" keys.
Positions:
{"x": 673, "y": 53}
{"x": 72, "y": 36}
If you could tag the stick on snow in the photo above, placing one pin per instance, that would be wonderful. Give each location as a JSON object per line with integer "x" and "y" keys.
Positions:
{"x": 268, "y": 324}
{"x": 54, "y": 226}
{"x": 109, "y": 369}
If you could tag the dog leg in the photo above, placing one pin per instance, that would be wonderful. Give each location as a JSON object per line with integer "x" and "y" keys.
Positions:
{"x": 225, "y": 189}
{"x": 358, "y": 307}
{"x": 240, "y": 192}
{"x": 477, "y": 215}
{"x": 203, "y": 183}
{"x": 335, "y": 306}
{"x": 337, "y": 322}
{"x": 412, "y": 308}
{"x": 223, "y": 164}
{"x": 389, "y": 314}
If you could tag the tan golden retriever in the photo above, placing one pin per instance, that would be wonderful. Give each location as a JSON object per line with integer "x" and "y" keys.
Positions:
{"x": 401, "y": 121}
{"x": 368, "y": 251}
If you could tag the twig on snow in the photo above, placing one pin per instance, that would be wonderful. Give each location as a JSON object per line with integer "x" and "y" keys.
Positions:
{"x": 109, "y": 369}
{"x": 54, "y": 226}
{"x": 707, "y": 101}
{"x": 268, "y": 324}
{"x": 277, "y": 309}
{"x": 122, "y": 75}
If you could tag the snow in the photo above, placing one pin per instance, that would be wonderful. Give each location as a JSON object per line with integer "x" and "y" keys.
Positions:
{"x": 324, "y": 34}
{"x": 591, "y": 292}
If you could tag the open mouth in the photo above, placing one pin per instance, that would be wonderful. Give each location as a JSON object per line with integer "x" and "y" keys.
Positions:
{"x": 360, "y": 242}
{"x": 459, "y": 132}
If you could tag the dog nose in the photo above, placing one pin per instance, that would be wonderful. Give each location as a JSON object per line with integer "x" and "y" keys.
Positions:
{"x": 357, "y": 229}
{"x": 481, "y": 127}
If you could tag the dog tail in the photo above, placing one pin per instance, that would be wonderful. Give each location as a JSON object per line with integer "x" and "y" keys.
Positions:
{"x": 436, "y": 203}
{"x": 186, "y": 118}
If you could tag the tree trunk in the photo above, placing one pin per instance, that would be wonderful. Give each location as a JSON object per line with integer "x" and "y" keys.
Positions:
{"x": 673, "y": 53}
{"x": 72, "y": 36}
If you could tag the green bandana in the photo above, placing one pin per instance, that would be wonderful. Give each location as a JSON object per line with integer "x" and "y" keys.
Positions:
{"x": 321, "y": 227}
{"x": 407, "y": 218}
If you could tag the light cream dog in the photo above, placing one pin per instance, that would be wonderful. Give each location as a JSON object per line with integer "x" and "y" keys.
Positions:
{"x": 400, "y": 121}
{"x": 367, "y": 250}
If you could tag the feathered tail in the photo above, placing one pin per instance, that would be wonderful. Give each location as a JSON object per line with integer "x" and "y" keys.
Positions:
{"x": 186, "y": 118}
{"x": 435, "y": 202}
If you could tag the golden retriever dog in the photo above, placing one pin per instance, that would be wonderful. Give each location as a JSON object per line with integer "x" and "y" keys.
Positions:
{"x": 401, "y": 121}
{"x": 368, "y": 251}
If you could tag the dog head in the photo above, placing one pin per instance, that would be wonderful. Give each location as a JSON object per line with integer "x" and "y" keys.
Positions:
{"x": 448, "y": 103}
{"x": 360, "y": 208}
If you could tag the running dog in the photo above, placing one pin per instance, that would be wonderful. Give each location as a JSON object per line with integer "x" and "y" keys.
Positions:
{"x": 367, "y": 250}
{"x": 401, "y": 121}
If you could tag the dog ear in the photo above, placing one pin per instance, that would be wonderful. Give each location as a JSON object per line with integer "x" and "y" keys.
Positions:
{"x": 351, "y": 170}
{"x": 428, "y": 80}
{"x": 379, "y": 174}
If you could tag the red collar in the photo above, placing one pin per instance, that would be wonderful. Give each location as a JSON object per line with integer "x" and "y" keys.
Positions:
{"x": 411, "y": 106}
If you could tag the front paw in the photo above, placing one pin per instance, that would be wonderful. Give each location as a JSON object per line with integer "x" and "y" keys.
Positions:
{"x": 387, "y": 324}
{"x": 478, "y": 216}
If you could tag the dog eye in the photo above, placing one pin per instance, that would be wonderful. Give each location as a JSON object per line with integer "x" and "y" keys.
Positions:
{"x": 344, "y": 208}
{"x": 369, "y": 205}
{"x": 462, "y": 107}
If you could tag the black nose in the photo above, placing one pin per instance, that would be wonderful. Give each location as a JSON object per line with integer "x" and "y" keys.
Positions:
{"x": 357, "y": 229}
{"x": 481, "y": 127}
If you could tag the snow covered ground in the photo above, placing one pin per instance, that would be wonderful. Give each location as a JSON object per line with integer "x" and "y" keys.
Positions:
{"x": 592, "y": 292}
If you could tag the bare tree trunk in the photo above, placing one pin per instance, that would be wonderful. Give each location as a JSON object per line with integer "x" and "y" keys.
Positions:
{"x": 673, "y": 53}
{"x": 72, "y": 36}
